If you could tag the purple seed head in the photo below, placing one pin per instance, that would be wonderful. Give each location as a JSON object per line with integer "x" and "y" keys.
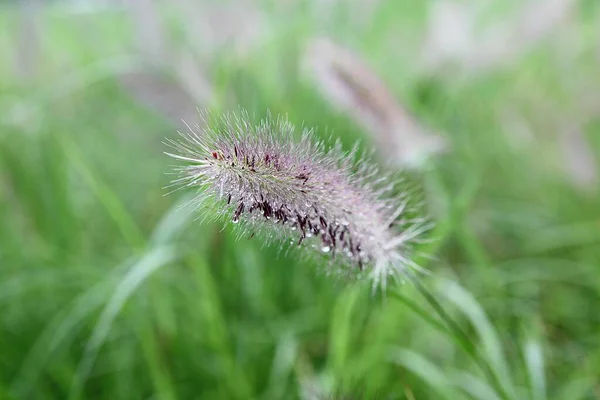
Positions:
{"x": 260, "y": 177}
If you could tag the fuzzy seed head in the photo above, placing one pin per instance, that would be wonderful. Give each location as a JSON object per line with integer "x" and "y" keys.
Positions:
{"x": 259, "y": 177}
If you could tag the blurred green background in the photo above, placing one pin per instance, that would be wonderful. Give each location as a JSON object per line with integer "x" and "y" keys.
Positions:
{"x": 108, "y": 290}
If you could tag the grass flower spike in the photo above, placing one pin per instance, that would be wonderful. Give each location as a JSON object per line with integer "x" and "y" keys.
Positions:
{"x": 260, "y": 177}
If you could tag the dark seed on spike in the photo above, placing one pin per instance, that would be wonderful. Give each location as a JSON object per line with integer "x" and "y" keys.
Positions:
{"x": 267, "y": 210}
{"x": 238, "y": 212}
{"x": 323, "y": 222}
{"x": 332, "y": 234}
{"x": 302, "y": 224}
{"x": 303, "y": 177}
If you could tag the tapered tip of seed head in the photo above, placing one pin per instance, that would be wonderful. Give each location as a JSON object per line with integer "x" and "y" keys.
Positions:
{"x": 283, "y": 183}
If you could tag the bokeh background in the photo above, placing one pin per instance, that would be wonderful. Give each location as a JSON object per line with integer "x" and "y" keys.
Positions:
{"x": 110, "y": 290}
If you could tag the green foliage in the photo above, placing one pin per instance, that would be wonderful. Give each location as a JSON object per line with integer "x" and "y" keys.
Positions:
{"x": 110, "y": 290}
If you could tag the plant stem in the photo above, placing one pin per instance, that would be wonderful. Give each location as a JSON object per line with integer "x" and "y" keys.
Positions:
{"x": 466, "y": 344}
